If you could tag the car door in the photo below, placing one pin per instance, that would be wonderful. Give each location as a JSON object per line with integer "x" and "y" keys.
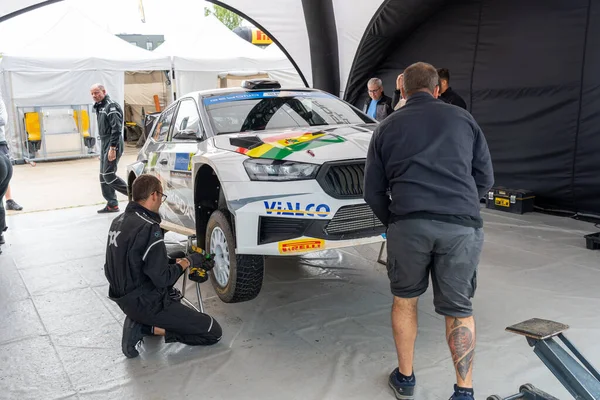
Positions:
{"x": 158, "y": 142}
{"x": 185, "y": 139}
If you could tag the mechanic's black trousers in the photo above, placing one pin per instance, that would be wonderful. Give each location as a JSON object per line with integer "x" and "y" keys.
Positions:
{"x": 109, "y": 181}
{"x": 181, "y": 323}
{"x": 6, "y": 172}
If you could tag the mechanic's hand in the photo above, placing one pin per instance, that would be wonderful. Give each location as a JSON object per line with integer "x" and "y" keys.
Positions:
{"x": 112, "y": 154}
{"x": 184, "y": 263}
{"x": 196, "y": 259}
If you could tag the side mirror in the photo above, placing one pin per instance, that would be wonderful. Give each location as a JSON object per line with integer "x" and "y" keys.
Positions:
{"x": 186, "y": 134}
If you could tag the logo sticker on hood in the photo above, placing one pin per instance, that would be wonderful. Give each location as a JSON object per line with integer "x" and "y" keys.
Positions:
{"x": 279, "y": 147}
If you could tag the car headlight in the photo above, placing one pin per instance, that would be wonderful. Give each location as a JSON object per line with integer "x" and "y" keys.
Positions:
{"x": 277, "y": 170}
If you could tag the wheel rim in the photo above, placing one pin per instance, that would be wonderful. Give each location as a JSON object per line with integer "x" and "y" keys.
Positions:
{"x": 219, "y": 247}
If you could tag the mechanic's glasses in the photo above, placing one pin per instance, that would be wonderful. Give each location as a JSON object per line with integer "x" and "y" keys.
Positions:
{"x": 164, "y": 196}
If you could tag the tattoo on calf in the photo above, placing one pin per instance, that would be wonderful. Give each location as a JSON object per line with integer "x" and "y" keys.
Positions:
{"x": 462, "y": 347}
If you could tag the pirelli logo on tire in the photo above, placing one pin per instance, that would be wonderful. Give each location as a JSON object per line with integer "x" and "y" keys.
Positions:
{"x": 301, "y": 246}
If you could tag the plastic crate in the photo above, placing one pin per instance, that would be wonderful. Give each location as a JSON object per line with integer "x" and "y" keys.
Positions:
{"x": 592, "y": 241}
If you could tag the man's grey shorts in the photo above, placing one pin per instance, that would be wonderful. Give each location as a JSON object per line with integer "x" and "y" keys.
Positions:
{"x": 450, "y": 252}
{"x": 4, "y": 151}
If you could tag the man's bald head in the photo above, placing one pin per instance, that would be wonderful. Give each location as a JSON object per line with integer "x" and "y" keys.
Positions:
{"x": 421, "y": 77}
{"x": 98, "y": 92}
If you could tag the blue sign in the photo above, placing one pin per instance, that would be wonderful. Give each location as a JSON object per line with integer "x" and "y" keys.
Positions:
{"x": 182, "y": 160}
{"x": 260, "y": 95}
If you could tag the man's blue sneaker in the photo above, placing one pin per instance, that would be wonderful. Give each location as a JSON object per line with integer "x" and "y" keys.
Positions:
{"x": 403, "y": 389}
{"x": 462, "y": 394}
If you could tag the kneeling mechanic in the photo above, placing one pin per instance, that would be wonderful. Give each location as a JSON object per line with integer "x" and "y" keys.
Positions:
{"x": 139, "y": 273}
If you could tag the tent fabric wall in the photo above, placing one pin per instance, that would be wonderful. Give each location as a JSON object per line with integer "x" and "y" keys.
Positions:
{"x": 61, "y": 64}
{"x": 198, "y": 62}
{"x": 352, "y": 19}
{"x": 527, "y": 73}
{"x": 35, "y": 89}
{"x": 140, "y": 89}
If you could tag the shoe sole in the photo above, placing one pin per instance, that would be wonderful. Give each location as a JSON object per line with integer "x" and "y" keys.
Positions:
{"x": 128, "y": 324}
{"x": 398, "y": 395}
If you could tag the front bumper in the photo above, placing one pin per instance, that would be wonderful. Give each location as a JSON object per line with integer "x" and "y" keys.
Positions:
{"x": 290, "y": 218}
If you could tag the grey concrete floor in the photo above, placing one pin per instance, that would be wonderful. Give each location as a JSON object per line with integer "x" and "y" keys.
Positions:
{"x": 320, "y": 329}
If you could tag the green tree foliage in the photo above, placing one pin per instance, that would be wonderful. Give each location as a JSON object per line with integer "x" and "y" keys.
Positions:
{"x": 228, "y": 18}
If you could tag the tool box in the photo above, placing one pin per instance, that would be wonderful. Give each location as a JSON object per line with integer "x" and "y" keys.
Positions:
{"x": 518, "y": 201}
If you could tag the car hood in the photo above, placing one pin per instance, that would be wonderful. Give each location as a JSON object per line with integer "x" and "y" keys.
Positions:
{"x": 314, "y": 145}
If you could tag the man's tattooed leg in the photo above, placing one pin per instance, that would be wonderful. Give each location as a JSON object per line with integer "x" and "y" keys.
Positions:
{"x": 460, "y": 334}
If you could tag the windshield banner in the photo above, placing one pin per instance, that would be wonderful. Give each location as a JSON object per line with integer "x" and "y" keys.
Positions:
{"x": 260, "y": 95}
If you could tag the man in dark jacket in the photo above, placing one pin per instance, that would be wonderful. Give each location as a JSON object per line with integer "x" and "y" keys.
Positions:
{"x": 140, "y": 275}
{"x": 378, "y": 105}
{"x": 6, "y": 171}
{"x": 447, "y": 94}
{"x": 434, "y": 159}
{"x": 110, "y": 132}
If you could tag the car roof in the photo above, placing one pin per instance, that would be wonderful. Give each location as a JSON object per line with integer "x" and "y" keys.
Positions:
{"x": 214, "y": 92}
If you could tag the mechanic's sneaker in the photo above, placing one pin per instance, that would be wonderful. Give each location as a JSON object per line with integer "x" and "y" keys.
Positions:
{"x": 109, "y": 209}
{"x": 403, "y": 389}
{"x": 462, "y": 394}
{"x": 12, "y": 205}
{"x": 132, "y": 335}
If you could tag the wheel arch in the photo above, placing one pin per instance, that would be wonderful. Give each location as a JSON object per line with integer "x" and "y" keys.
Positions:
{"x": 208, "y": 197}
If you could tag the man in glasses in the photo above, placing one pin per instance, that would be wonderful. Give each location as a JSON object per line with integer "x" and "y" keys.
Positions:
{"x": 141, "y": 275}
{"x": 378, "y": 105}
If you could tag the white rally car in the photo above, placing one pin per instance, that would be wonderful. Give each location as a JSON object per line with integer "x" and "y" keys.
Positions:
{"x": 258, "y": 171}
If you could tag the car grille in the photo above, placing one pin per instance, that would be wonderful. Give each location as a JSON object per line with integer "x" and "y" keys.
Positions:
{"x": 343, "y": 180}
{"x": 354, "y": 219}
{"x": 274, "y": 229}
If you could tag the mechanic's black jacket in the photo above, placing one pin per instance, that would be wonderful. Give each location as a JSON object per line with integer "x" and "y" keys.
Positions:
{"x": 434, "y": 158}
{"x": 451, "y": 97}
{"x": 110, "y": 120}
{"x": 136, "y": 256}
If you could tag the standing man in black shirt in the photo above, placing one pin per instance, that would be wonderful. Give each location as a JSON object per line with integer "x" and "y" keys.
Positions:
{"x": 447, "y": 94}
{"x": 434, "y": 159}
{"x": 110, "y": 132}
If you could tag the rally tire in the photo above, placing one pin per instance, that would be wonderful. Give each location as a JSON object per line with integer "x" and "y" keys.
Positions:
{"x": 245, "y": 271}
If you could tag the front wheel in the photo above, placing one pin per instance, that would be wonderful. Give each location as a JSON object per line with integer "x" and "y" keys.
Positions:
{"x": 235, "y": 278}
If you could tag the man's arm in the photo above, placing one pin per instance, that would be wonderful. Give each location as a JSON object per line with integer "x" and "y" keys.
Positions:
{"x": 376, "y": 183}
{"x": 156, "y": 261}
{"x": 482, "y": 169}
{"x": 3, "y": 113}
{"x": 115, "y": 121}
{"x": 396, "y": 98}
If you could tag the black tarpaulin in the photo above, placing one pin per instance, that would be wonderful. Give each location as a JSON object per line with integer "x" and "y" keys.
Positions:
{"x": 527, "y": 71}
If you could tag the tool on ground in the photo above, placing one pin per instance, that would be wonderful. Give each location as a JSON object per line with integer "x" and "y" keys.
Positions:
{"x": 197, "y": 274}
{"x": 573, "y": 371}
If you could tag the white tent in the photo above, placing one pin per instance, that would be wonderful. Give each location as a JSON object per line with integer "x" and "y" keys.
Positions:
{"x": 209, "y": 50}
{"x": 286, "y": 74}
{"x": 58, "y": 68}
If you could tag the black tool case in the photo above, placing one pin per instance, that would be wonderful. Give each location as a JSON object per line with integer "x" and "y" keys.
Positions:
{"x": 518, "y": 201}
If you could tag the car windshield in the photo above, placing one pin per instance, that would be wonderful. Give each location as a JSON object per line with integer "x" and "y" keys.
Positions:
{"x": 257, "y": 111}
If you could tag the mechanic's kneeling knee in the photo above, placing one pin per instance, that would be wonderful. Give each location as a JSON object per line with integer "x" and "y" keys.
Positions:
{"x": 214, "y": 334}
